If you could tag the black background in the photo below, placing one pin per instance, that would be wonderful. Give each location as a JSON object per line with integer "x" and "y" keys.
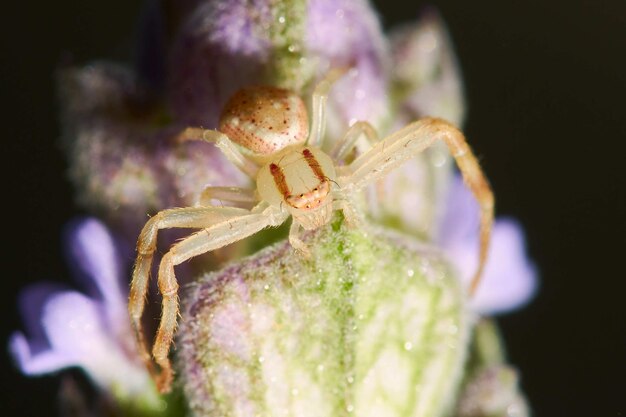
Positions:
{"x": 546, "y": 83}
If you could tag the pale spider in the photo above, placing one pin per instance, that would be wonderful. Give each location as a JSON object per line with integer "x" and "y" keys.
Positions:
{"x": 294, "y": 177}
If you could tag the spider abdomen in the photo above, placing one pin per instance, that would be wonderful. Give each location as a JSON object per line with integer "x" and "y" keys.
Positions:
{"x": 265, "y": 119}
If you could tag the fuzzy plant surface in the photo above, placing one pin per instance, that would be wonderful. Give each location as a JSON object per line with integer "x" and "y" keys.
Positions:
{"x": 373, "y": 324}
{"x": 376, "y": 322}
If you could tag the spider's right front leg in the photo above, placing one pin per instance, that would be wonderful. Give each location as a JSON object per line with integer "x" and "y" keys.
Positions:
{"x": 191, "y": 217}
{"x": 206, "y": 240}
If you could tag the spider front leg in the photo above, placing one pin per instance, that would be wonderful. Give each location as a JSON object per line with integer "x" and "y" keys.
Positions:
{"x": 230, "y": 194}
{"x": 318, "y": 114}
{"x": 403, "y": 145}
{"x": 295, "y": 241}
{"x": 192, "y": 217}
{"x": 206, "y": 240}
{"x": 228, "y": 148}
{"x": 345, "y": 145}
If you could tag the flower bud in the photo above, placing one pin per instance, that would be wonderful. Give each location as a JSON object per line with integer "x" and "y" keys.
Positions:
{"x": 372, "y": 324}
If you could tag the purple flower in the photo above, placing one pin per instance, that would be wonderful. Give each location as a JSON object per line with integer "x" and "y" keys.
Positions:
{"x": 425, "y": 75}
{"x": 67, "y": 328}
{"x": 348, "y": 33}
{"x": 119, "y": 123}
{"x": 510, "y": 278}
{"x": 123, "y": 162}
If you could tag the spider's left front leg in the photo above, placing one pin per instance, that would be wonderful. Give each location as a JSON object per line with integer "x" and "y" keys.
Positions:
{"x": 348, "y": 142}
{"x": 409, "y": 141}
{"x": 319, "y": 99}
{"x": 206, "y": 240}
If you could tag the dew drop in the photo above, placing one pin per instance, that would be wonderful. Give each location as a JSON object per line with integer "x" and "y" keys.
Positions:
{"x": 281, "y": 19}
{"x": 410, "y": 272}
{"x": 350, "y": 408}
{"x": 408, "y": 346}
{"x": 266, "y": 287}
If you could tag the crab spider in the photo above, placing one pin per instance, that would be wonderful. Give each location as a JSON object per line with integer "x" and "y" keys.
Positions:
{"x": 264, "y": 131}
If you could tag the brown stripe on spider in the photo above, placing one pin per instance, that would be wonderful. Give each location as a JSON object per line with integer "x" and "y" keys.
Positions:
{"x": 313, "y": 164}
{"x": 279, "y": 179}
{"x": 308, "y": 200}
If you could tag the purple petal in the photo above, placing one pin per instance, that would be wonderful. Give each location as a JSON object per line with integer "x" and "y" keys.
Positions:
{"x": 31, "y": 301}
{"x": 347, "y": 33}
{"x": 42, "y": 362}
{"x": 219, "y": 49}
{"x": 72, "y": 334}
{"x": 460, "y": 220}
{"x": 424, "y": 64}
{"x": 510, "y": 278}
{"x": 73, "y": 325}
{"x": 93, "y": 253}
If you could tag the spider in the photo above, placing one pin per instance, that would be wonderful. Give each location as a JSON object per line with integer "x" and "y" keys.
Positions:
{"x": 264, "y": 131}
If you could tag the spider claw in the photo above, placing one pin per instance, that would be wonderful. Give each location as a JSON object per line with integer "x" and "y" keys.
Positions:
{"x": 164, "y": 380}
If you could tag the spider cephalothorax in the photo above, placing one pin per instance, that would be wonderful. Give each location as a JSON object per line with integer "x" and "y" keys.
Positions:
{"x": 264, "y": 131}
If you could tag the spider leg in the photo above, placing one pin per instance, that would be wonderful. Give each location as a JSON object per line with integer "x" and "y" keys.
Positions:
{"x": 295, "y": 241}
{"x": 345, "y": 145}
{"x": 409, "y": 141}
{"x": 318, "y": 114}
{"x": 206, "y": 240}
{"x": 228, "y": 148}
{"x": 192, "y": 217}
{"x": 350, "y": 214}
{"x": 230, "y": 194}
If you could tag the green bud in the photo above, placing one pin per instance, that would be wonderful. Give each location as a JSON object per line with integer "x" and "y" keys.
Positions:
{"x": 371, "y": 324}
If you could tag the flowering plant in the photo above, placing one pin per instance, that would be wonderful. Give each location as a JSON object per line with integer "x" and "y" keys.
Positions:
{"x": 377, "y": 322}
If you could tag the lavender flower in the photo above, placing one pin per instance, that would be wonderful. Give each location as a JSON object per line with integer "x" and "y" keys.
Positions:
{"x": 119, "y": 124}
{"x": 375, "y": 323}
{"x": 123, "y": 162}
{"x": 92, "y": 332}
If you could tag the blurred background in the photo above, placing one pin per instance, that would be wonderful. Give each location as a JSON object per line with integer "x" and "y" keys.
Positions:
{"x": 546, "y": 90}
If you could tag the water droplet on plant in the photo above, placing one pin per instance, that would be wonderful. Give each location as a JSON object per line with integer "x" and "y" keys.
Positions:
{"x": 410, "y": 272}
{"x": 408, "y": 346}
